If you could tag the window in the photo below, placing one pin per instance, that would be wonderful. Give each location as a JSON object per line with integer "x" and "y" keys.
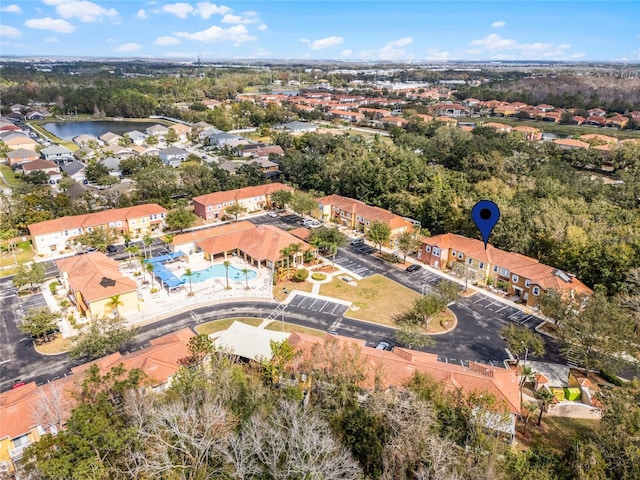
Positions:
{"x": 453, "y": 253}
{"x": 536, "y": 291}
{"x": 428, "y": 249}
{"x": 504, "y": 272}
{"x": 119, "y": 223}
{"x": 89, "y": 229}
{"x": 66, "y": 233}
{"x": 21, "y": 441}
{"x": 460, "y": 255}
{"x": 133, "y": 222}
{"x": 527, "y": 282}
{"x": 218, "y": 206}
{"x": 515, "y": 278}
{"x": 481, "y": 266}
{"x": 436, "y": 251}
{"x": 495, "y": 268}
{"x": 469, "y": 261}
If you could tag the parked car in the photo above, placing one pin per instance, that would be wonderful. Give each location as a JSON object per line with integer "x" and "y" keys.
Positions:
{"x": 413, "y": 268}
{"x": 383, "y": 346}
{"x": 91, "y": 249}
{"x": 272, "y": 214}
{"x": 112, "y": 249}
{"x": 357, "y": 242}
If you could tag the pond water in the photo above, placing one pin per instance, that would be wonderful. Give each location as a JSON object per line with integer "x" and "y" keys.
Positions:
{"x": 69, "y": 130}
{"x": 219, "y": 271}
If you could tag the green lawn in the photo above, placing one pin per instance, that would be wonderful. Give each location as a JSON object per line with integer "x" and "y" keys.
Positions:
{"x": 376, "y": 298}
{"x": 278, "y": 326}
{"x": 10, "y": 176}
{"x": 24, "y": 254}
{"x": 219, "y": 325}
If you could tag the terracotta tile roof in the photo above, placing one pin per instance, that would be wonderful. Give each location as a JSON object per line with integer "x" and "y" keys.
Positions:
{"x": 205, "y": 233}
{"x": 302, "y": 233}
{"x": 368, "y": 212}
{"x": 570, "y": 142}
{"x": 262, "y": 242}
{"x": 240, "y": 193}
{"x": 95, "y": 219}
{"x": 394, "y": 369}
{"x": 550, "y": 278}
{"x": 95, "y": 276}
{"x": 498, "y": 126}
{"x": 159, "y": 362}
{"x": 38, "y": 165}
{"x": 525, "y": 129}
{"x": 598, "y": 137}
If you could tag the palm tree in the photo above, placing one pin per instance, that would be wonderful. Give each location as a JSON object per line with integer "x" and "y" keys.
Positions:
{"x": 189, "y": 274}
{"x": 285, "y": 253}
{"x": 227, "y": 264}
{"x": 294, "y": 251}
{"x": 146, "y": 243}
{"x": 149, "y": 268}
{"x": 546, "y": 397}
{"x": 132, "y": 250}
{"x": 527, "y": 410}
{"x": 525, "y": 375}
{"x": 114, "y": 303}
{"x": 246, "y": 277}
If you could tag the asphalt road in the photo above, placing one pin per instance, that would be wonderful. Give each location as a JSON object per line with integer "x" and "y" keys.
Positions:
{"x": 476, "y": 337}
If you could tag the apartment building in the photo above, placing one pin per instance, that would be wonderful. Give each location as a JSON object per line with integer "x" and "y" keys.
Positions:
{"x": 211, "y": 207}
{"x": 519, "y": 276}
{"x": 61, "y": 234}
{"x": 357, "y": 215}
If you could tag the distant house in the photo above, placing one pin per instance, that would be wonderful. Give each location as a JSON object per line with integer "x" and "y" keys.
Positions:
{"x": 19, "y": 140}
{"x": 211, "y": 206}
{"x": 84, "y": 153}
{"x": 207, "y": 132}
{"x": 296, "y": 127}
{"x": 21, "y": 155}
{"x": 39, "y": 166}
{"x": 119, "y": 152}
{"x": 6, "y": 125}
{"x": 347, "y": 115}
{"x": 594, "y": 121}
{"x": 529, "y": 133}
{"x": 571, "y": 144}
{"x": 84, "y": 139}
{"x": 173, "y": 156}
{"x": 617, "y": 121}
{"x": 137, "y": 137}
{"x": 37, "y": 115}
{"x": 181, "y": 130}
{"x": 56, "y": 152}
{"x": 224, "y": 139}
{"x": 113, "y": 165}
{"x": 452, "y": 110}
{"x": 110, "y": 138}
{"x": 597, "y": 112}
{"x": 75, "y": 170}
{"x": 499, "y": 127}
{"x": 158, "y": 131}
{"x": 391, "y": 121}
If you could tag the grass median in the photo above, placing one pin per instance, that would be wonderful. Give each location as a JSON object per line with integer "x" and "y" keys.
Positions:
{"x": 376, "y": 298}
{"x": 219, "y": 325}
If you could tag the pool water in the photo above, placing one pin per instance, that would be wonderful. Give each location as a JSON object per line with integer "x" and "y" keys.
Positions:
{"x": 219, "y": 271}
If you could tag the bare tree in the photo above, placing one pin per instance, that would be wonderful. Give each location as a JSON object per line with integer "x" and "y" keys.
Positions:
{"x": 293, "y": 443}
{"x": 49, "y": 408}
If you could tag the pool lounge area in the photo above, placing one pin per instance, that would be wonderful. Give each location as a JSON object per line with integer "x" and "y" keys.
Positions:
{"x": 220, "y": 271}
{"x": 166, "y": 277}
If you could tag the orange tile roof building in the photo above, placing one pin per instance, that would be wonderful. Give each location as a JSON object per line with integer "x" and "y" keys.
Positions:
{"x": 23, "y": 420}
{"x": 211, "y": 206}
{"x": 259, "y": 245}
{"x": 522, "y": 276}
{"x": 358, "y": 215}
{"x": 93, "y": 280}
{"x": 393, "y": 369}
{"x": 60, "y": 234}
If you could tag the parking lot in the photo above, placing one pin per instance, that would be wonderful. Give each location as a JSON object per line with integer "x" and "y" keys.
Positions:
{"x": 506, "y": 311}
{"x": 26, "y": 303}
{"x": 317, "y": 305}
{"x": 353, "y": 265}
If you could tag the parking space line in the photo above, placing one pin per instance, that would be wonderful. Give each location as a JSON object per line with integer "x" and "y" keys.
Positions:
{"x": 500, "y": 309}
{"x": 322, "y": 305}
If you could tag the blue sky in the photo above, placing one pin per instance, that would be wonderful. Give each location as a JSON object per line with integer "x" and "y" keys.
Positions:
{"x": 307, "y": 29}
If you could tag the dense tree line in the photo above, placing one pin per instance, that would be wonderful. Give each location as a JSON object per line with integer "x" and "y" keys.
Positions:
{"x": 224, "y": 419}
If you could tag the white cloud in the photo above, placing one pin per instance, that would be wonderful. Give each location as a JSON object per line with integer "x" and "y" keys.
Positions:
{"x": 393, "y": 50}
{"x": 11, "y": 9}
{"x": 7, "y": 31}
{"x": 326, "y": 42}
{"x": 499, "y": 24}
{"x": 245, "y": 19}
{"x": 261, "y": 53}
{"x": 206, "y": 9}
{"x": 166, "y": 41}
{"x": 434, "y": 54}
{"x": 128, "y": 47}
{"x": 346, "y": 53}
{"x": 82, "y": 10}
{"x": 180, "y": 10}
{"x": 236, "y": 34}
{"x": 47, "y": 23}
{"x": 51, "y": 40}
{"x": 581, "y": 55}
{"x": 262, "y": 27}
{"x": 495, "y": 47}
{"x": 142, "y": 14}
{"x": 305, "y": 40}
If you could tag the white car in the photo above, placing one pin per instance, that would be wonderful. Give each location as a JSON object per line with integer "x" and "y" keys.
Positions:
{"x": 272, "y": 214}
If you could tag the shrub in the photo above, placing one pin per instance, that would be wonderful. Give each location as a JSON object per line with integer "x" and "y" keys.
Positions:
{"x": 319, "y": 276}
{"x": 53, "y": 286}
{"x": 301, "y": 275}
{"x": 154, "y": 290}
{"x": 390, "y": 257}
{"x": 611, "y": 377}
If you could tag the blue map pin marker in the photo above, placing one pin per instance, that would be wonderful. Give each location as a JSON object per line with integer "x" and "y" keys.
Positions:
{"x": 485, "y": 215}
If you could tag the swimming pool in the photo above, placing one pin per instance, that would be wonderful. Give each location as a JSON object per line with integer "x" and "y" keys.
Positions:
{"x": 219, "y": 271}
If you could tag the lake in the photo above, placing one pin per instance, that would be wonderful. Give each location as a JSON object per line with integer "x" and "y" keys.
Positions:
{"x": 69, "y": 130}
